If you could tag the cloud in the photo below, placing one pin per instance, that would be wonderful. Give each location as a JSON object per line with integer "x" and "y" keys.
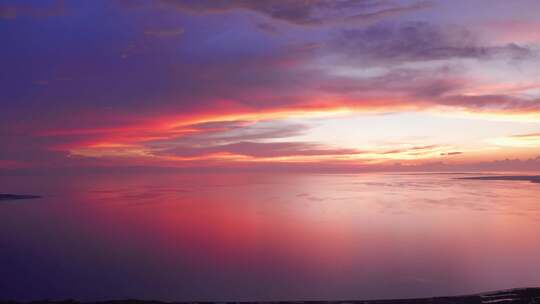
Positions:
{"x": 532, "y": 135}
{"x": 367, "y": 18}
{"x": 416, "y": 152}
{"x": 229, "y": 89}
{"x": 514, "y": 30}
{"x": 306, "y": 13}
{"x": 413, "y": 150}
{"x": 505, "y": 165}
{"x": 164, "y": 33}
{"x": 226, "y": 132}
{"x": 451, "y": 153}
{"x": 492, "y": 103}
{"x": 392, "y": 43}
{"x": 207, "y": 138}
{"x": 437, "y": 88}
{"x": 531, "y": 140}
{"x": 267, "y": 28}
{"x": 261, "y": 150}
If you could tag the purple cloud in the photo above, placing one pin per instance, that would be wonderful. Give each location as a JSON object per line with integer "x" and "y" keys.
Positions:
{"x": 260, "y": 149}
{"x": 388, "y": 44}
{"x": 307, "y": 13}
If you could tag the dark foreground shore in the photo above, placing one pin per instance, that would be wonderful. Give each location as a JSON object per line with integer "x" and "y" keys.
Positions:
{"x": 524, "y": 295}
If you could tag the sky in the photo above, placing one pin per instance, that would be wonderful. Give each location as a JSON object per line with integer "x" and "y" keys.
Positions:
{"x": 344, "y": 85}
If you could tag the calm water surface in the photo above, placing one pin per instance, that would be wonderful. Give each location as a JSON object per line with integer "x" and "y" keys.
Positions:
{"x": 266, "y": 237}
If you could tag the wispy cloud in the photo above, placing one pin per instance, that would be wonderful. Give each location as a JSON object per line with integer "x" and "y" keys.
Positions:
{"x": 306, "y": 13}
{"x": 391, "y": 43}
{"x": 262, "y": 150}
{"x": 164, "y": 33}
{"x": 521, "y": 140}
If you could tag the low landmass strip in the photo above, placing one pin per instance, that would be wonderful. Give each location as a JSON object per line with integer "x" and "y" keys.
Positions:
{"x": 524, "y": 295}
{"x": 9, "y": 197}
{"x": 530, "y": 178}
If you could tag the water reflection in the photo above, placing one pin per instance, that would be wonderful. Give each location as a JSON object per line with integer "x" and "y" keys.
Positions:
{"x": 267, "y": 237}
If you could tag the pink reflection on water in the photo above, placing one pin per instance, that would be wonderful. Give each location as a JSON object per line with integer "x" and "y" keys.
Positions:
{"x": 272, "y": 237}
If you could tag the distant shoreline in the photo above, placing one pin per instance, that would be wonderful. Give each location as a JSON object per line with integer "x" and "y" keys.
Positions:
{"x": 521, "y": 295}
{"x": 530, "y": 178}
{"x": 10, "y": 197}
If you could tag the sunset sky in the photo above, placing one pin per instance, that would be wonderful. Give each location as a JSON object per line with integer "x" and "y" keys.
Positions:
{"x": 351, "y": 85}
